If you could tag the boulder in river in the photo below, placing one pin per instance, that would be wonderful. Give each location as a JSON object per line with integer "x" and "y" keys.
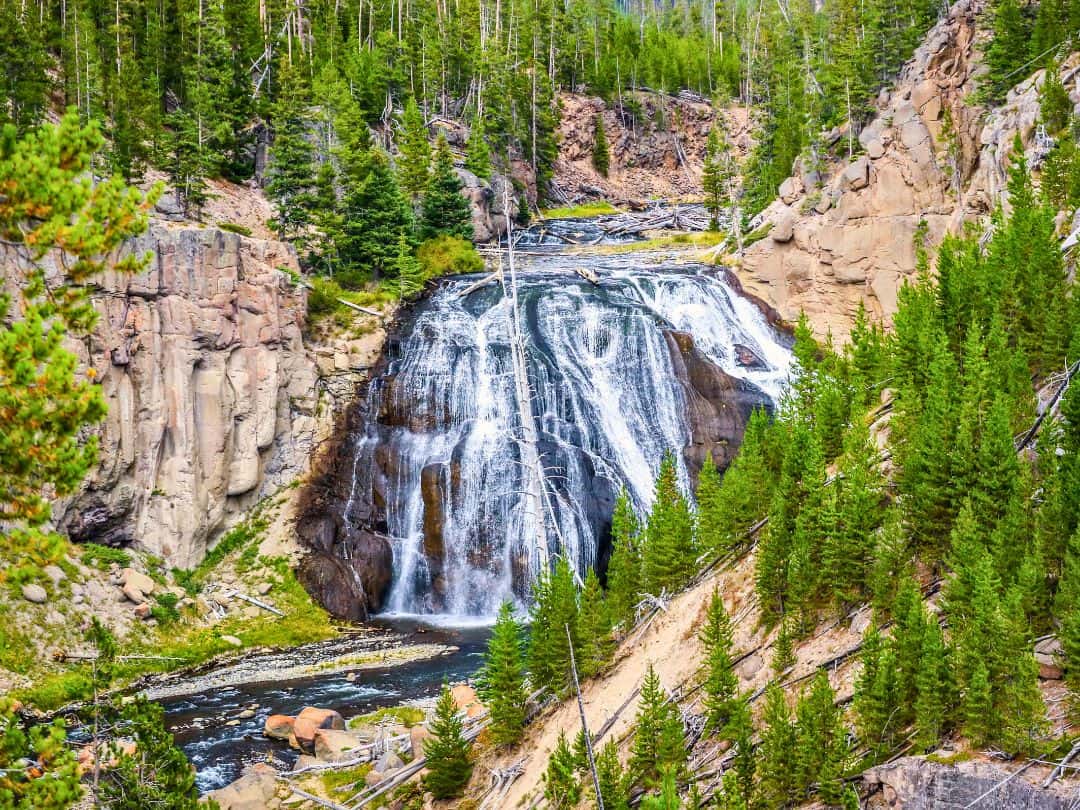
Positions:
{"x": 279, "y": 726}
{"x": 310, "y": 720}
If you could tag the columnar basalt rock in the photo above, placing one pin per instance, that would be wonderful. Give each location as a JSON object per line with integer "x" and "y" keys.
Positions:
{"x": 211, "y": 393}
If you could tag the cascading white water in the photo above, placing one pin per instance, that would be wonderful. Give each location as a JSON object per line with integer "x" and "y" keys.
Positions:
{"x": 440, "y": 451}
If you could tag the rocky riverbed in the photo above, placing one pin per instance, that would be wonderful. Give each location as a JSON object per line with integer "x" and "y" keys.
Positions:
{"x": 217, "y": 717}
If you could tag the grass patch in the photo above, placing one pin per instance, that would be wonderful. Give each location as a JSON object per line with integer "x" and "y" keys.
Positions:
{"x": 235, "y": 227}
{"x": 101, "y": 557}
{"x": 589, "y": 209}
{"x": 700, "y": 239}
{"x": 334, "y": 778}
{"x": 408, "y": 716}
{"x": 758, "y": 235}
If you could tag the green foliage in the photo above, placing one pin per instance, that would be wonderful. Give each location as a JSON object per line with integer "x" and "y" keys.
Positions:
{"x": 777, "y": 779}
{"x": 561, "y": 787}
{"x": 554, "y": 610}
{"x": 414, "y": 162}
{"x": 669, "y": 556}
{"x": 22, "y": 786}
{"x": 659, "y": 746}
{"x": 444, "y": 211}
{"x": 613, "y": 785}
{"x": 409, "y": 271}
{"x": 503, "y": 679}
{"x": 721, "y": 684}
{"x": 624, "y": 567}
{"x": 1007, "y": 49}
{"x": 601, "y": 154}
{"x": 101, "y": 557}
{"x": 375, "y": 217}
{"x": 596, "y": 643}
{"x": 448, "y": 255}
{"x": 156, "y": 774}
{"x": 477, "y": 151}
{"x": 449, "y": 755}
{"x": 165, "y": 610}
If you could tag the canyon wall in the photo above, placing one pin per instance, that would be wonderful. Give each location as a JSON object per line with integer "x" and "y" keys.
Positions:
{"x": 211, "y": 394}
{"x": 844, "y": 234}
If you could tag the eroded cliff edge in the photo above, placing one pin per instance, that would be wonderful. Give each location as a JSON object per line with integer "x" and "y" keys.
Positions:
{"x": 212, "y": 395}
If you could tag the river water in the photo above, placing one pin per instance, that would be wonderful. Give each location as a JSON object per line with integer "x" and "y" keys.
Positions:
{"x": 219, "y": 751}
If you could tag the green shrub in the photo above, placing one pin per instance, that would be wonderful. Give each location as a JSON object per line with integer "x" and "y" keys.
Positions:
{"x": 100, "y": 557}
{"x": 165, "y": 610}
{"x": 323, "y": 297}
{"x": 447, "y": 255}
{"x": 235, "y": 227}
{"x": 351, "y": 279}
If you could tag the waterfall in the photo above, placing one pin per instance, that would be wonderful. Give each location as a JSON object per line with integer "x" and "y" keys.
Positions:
{"x": 439, "y": 454}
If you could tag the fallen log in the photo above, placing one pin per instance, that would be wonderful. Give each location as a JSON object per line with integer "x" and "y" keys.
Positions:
{"x": 257, "y": 602}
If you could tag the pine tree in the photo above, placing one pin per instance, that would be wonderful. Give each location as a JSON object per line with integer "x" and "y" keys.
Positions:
{"x": 667, "y": 798}
{"x": 875, "y": 699}
{"x": 561, "y": 787}
{"x": 504, "y": 679}
{"x": 658, "y": 742}
{"x": 777, "y": 783}
{"x": 783, "y": 648}
{"x": 821, "y": 750}
{"x": 554, "y": 608}
{"x": 710, "y": 519}
{"x": 624, "y": 568}
{"x": 978, "y": 709}
{"x": 609, "y": 771}
{"x": 594, "y": 628}
{"x": 932, "y": 688}
{"x": 1007, "y": 49}
{"x": 376, "y": 216}
{"x": 156, "y": 774}
{"x": 445, "y": 209}
{"x": 601, "y": 156}
{"x": 414, "y": 160}
{"x": 58, "y": 787}
{"x": 477, "y": 152}
{"x": 449, "y": 758}
{"x": 721, "y": 685}
{"x": 408, "y": 271}
{"x": 668, "y": 558}
{"x": 291, "y": 171}
{"x": 55, "y": 216}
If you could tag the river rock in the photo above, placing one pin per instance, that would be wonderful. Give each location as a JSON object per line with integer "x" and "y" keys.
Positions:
{"x": 246, "y": 714}
{"x": 255, "y": 790}
{"x": 142, "y": 611}
{"x": 34, "y": 593}
{"x": 304, "y": 761}
{"x": 55, "y": 574}
{"x": 263, "y": 588}
{"x": 233, "y": 640}
{"x": 310, "y": 720}
{"x": 138, "y": 580}
{"x": 133, "y": 594}
{"x": 372, "y": 778}
{"x": 332, "y": 745}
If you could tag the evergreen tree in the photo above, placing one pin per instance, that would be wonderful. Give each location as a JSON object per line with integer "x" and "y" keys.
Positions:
{"x": 821, "y": 750}
{"x": 554, "y": 608}
{"x": 777, "y": 784}
{"x": 1007, "y": 49}
{"x": 1055, "y": 106}
{"x": 414, "y": 160}
{"x": 716, "y": 176}
{"x": 609, "y": 771}
{"x": 55, "y": 216}
{"x": 477, "y": 152}
{"x": 594, "y": 628}
{"x": 721, "y": 684}
{"x": 601, "y": 156}
{"x": 669, "y": 558}
{"x": 875, "y": 697}
{"x": 503, "y": 679}
{"x": 710, "y": 520}
{"x": 932, "y": 688}
{"x": 376, "y": 216}
{"x": 156, "y": 774}
{"x": 449, "y": 758}
{"x": 291, "y": 171}
{"x": 561, "y": 787}
{"x": 667, "y": 798}
{"x": 445, "y": 209}
{"x": 658, "y": 741}
{"x": 408, "y": 270}
{"x": 57, "y": 787}
{"x": 624, "y": 568}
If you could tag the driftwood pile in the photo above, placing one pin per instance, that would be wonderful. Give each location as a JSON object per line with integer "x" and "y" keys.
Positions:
{"x": 676, "y": 217}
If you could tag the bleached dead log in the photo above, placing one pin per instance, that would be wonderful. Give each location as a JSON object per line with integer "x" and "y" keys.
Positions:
{"x": 257, "y": 602}
{"x": 476, "y": 285}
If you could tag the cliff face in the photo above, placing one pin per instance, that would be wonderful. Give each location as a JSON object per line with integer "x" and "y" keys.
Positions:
{"x": 846, "y": 234}
{"x": 211, "y": 395}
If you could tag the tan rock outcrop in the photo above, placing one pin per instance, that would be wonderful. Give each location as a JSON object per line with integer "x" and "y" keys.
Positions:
{"x": 931, "y": 154}
{"x": 211, "y": 394}
{"x": 310, "y": 720}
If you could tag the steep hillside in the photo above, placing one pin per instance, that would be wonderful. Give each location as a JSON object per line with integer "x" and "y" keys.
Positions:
{"x": 845, "y": 234}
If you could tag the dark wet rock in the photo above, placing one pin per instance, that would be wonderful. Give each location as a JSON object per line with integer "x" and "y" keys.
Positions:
{"x": 747, "y": 358}
{"x": 718, "y": 405}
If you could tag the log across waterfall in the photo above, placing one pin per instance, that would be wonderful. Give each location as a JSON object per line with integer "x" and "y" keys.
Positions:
{"x": 433, "y": 478}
